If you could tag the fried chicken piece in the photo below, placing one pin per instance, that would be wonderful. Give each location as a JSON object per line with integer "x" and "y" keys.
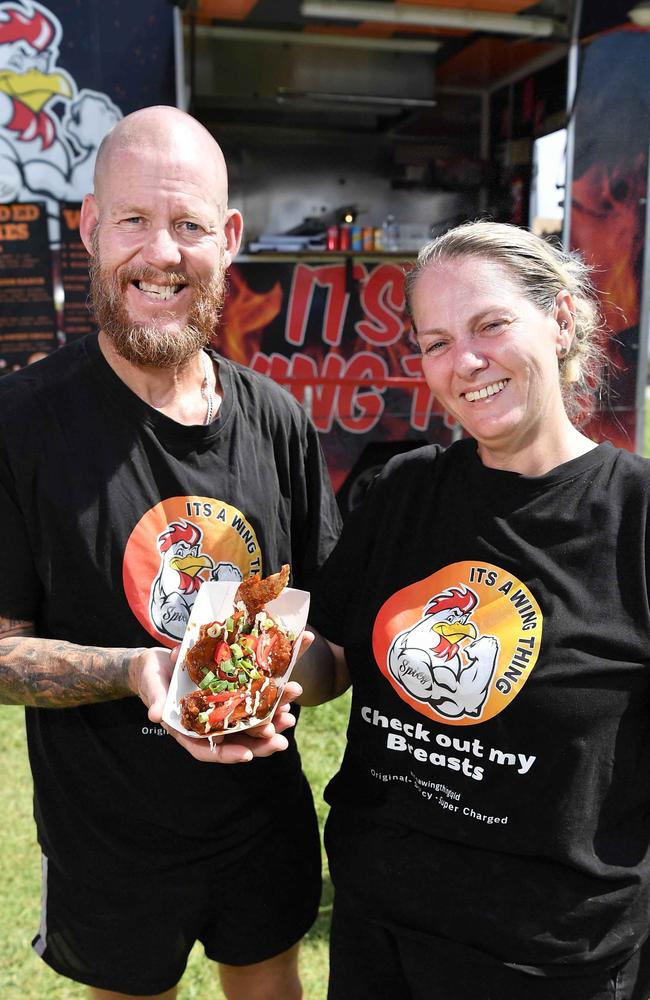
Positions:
{"x": 254, "y": 701}
{"x": 200, "y": 655}
{"x": 191, "y": 705}
{"x": 256, "y": 593}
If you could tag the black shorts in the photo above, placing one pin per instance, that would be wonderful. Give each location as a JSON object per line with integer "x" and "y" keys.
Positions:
{"x": 134, "y": 935}
{"x": 371, "y": 962}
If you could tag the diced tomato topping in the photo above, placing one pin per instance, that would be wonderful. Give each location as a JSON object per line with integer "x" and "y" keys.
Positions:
{"x": 264, "y": 648}
{"x": 220, "y": 713}
{"x": 214, "y": 699}
{"x": 222, "y": 652}
{"x": 250, "y": 641}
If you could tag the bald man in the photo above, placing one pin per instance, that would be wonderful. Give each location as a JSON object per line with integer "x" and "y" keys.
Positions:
{"x": 135, "y": 464}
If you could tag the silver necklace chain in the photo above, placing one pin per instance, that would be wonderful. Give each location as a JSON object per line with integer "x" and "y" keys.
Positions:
{"x": 207, "y": 365}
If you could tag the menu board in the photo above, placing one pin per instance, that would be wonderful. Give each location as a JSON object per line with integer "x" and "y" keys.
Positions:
{"x": 27, "y": 317}
{"x": 77, "y": 318}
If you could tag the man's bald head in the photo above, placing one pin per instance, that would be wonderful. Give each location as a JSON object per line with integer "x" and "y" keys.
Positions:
{"x": 160, "y": 127}
{"x": 160, "y": 235}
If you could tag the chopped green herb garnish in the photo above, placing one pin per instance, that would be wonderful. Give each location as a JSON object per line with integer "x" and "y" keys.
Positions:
{"x": 207, "y": 680}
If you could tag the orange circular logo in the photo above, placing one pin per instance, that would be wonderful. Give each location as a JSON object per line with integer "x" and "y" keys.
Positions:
{"x": 459, "y": 645}
{"x": 173, "y": 549}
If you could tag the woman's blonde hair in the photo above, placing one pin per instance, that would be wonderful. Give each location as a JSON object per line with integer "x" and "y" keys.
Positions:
{"x": 541, "y": 269}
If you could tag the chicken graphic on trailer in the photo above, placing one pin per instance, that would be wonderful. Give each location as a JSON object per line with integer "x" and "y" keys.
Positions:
{"x": 49, "y": 132}
{"x": 430, "y": 664}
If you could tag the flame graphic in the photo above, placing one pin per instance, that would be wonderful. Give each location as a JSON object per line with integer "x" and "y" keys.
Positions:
{"x": 246, "y": 314}
{"x": 607, "y": 225}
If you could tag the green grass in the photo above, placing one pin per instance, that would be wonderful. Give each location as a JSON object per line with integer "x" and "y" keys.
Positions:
{"x": 23, "y": 976}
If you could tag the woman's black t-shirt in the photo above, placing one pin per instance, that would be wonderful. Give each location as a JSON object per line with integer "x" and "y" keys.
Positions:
{"x": 495, "y": 789}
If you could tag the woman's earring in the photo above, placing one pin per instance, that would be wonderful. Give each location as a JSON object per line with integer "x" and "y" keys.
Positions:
{"x": 563, "y": 351}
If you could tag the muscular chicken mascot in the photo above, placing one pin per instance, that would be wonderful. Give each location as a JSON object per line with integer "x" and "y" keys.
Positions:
{"x": 429, "y": 663}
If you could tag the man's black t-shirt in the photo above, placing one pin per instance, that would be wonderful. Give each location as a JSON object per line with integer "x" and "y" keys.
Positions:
{"x": 113, "y": 515}
{"x": 495, "y": 790}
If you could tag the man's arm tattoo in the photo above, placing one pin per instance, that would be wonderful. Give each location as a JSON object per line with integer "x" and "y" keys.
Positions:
{"x": 51, "y": 673}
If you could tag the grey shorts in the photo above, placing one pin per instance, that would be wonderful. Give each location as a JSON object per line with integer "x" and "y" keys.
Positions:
{"x": 133, "y": 935}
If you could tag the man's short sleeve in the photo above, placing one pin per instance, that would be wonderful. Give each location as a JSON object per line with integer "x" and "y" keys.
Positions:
{"x": 316, "y": 521}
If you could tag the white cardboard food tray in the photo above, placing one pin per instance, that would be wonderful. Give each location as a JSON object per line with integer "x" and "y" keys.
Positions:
{"x": 215, "y": 602}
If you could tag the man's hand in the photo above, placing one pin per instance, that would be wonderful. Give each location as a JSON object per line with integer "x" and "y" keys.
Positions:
{"x": 150, "y": 673}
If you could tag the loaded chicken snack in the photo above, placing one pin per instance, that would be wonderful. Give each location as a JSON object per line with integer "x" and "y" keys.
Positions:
{"x": 237, "y": 662}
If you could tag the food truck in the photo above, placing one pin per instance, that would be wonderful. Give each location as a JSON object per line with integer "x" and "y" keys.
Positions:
{"x": 354, "y": 131}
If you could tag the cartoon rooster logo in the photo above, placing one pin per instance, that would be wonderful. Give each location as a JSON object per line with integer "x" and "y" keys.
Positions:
{"x": 44, "y": 155}
{"x": 430, "y": 664}
{"x": 174, "y": 590}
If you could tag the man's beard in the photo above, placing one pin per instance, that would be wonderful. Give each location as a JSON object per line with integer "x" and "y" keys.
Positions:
{"x": 163, "y": 343}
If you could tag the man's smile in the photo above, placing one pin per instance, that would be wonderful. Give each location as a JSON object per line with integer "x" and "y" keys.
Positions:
{"x": 158, "y": 291}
